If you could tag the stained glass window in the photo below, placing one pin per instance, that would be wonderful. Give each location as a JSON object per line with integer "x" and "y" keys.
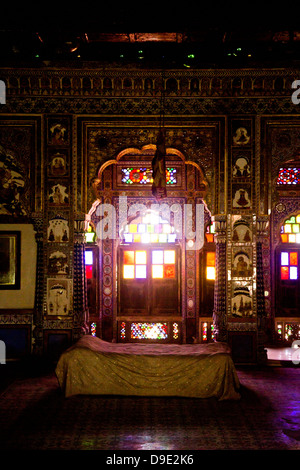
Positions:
{"x": 163, "y": 264}
{"x": 290, "y": 230}
{"x": 289, "y": 265}
{"x": 89, "y": 260}
{"x": 150, "y": 228}
{"x": 147, "y": 330}
{"x": 143, "y": 175}
{"x": 289, "y": 176}
{"x": 134, "y": 264}
{"x": 93, "y": 329}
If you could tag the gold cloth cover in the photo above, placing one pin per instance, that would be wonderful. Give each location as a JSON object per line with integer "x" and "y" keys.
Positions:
{"x": 95, "y": 367}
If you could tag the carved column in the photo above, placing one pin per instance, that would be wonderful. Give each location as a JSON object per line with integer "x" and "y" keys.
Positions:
{"x": 80, "y": 307}
{"x": 38, "y": 223}
{"x": 262, "y": 232}
{"x": 219, "y": 315}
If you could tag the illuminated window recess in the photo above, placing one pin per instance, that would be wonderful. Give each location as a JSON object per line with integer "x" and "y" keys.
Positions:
{"x": 93, "y": 329}
{"x": 206, "y": 326}
{"x": 289, "y": 265}
{"x": 149, "y": 331}
{"x": 290, "y": 230}
{"x": 210, "y": 266}
{"x": 89, "y": 260}
{"x": 288, "y": 332}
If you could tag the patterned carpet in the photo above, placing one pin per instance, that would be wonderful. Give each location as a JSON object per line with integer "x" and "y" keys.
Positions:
{"x": 34, "y": 415}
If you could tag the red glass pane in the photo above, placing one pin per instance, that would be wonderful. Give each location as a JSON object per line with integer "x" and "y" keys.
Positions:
{"x": 89, "y": 272}
{"x": 285, "y": 273}
{"x": 293, "y": 258}
{"x": 128, "y": 257}
{"x": 169, "y": 271}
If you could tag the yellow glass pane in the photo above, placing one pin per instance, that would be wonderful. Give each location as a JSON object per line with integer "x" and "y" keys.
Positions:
{"x": 128, "y": 257}
{"x": 137, "y": 238}
{"x": 140, "y": 257}
{"x": 128, "y": 271}
{"x": 210, "y": 259}
{"x": 298, "y": 219}
{"x": 295, "y": 228}
{"x": 154, "y": 238}
{"x": 157, "y": 271}
{"x": 133, "y": 228}
{"x": 169, "y": 256}
{"x": 210, "y": 273}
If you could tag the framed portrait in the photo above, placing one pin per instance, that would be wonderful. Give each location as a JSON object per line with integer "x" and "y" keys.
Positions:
{"x": 10, "y": 254}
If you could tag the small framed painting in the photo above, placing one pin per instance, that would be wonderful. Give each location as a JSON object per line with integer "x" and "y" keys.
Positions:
{"x": 10, "y": 254}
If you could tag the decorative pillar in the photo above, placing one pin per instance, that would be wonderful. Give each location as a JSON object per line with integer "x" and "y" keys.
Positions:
{"x": 80, "y": 307}
{"x": 38, "y": 224}
{"x": 262, "y": 232}
{"x": 219, "y": 315}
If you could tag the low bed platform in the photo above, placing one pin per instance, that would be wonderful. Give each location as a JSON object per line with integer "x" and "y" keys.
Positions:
{"x": 95, "y": 367}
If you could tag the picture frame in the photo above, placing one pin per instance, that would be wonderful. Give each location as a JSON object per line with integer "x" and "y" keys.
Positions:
{"x": 10, "y": 260}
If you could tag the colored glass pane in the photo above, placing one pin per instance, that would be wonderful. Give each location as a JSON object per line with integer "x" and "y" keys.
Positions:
{"x": 210, "y": 259}
{"x": 171, "y": 237}
{"x": 285, "y": 273}
{"x": 166, "y": 228}
{"x": 287, "y": 228}
{"x": 293, "y": 272}
{"x": 141, "y": 257}
{"x": 292, "y": 238}
{"x": 88, "y": 256}
{"x": 128, "y": 257}
{"x": 169, "y": 271}
{"x": 162, "y": 238}
{"x": 145, "y": 238}
{"x": 210, "y": 273}
{"x": 169, "y": 256}
{"x": 298, "y": 219}
{"x": 128, "y": 238}
{"x": 128, "y": 271}
{"x": 140, "y": 271}
{"x": 89, "y": 272}
{"x": 141, "y": 228}
{"x": 153, "y": 237}
{"x": 157, "y": 257}
{"x": 284, "y": 259}
{"x": 293, "y": 258}
{"x": 295, "y": 228}
{"x": 137, "y": 237}
{"x": 133, "y": 228}
{"x": 284, "y": 238}
{"x": 157, "y": 271}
